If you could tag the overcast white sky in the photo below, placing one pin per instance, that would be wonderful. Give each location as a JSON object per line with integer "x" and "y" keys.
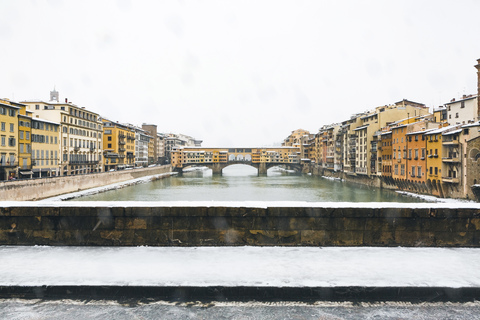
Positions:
{"x": 238, "y": 73}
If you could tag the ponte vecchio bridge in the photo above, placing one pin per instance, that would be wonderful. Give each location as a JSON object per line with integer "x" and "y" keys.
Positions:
{"x": 219, "y": 158}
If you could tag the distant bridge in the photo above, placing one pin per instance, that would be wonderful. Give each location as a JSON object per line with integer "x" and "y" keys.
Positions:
{"x": 219, "y": 158}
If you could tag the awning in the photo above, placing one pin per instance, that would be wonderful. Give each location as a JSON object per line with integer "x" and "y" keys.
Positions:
{"x": 26, "y": 172}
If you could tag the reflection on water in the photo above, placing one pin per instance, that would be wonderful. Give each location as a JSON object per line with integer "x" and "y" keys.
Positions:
{"x": 241, "y": 183}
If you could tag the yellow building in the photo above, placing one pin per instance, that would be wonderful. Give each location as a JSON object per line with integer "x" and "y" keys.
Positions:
{"x": 45, "y": 148}
{"x": 24, "y": 143}
{"x": 151, "y": 150}
{"x": 118, "y": 145}
{"x": 8, "y": 139}
{"x": 434, "y": 160}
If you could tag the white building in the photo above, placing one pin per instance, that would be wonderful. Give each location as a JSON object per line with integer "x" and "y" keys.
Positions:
{"x": 462, "y": 111}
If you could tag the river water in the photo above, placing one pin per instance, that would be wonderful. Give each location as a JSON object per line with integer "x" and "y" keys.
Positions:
{"x": 241, "y": 183}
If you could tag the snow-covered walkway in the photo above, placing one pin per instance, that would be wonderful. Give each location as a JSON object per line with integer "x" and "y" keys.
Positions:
{"x": 239, "y": 266}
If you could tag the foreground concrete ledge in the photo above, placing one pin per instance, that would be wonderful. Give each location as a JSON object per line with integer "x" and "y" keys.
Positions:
{"x": 147, "y": 294}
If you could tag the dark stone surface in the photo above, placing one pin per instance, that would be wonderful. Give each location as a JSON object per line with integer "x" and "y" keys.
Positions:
{"x": 207, "y": 226}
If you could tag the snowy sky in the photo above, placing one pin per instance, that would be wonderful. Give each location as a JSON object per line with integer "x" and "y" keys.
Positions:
{"x": 238, "y": 73}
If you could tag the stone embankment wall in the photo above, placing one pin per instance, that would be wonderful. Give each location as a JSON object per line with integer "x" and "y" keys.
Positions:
{"x": 442, "y": 190}
{"x": 160, "y": 224}
{"x": 36, "y": 189}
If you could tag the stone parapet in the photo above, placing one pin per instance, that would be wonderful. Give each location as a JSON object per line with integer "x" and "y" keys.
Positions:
{"x": 273, "y": 224}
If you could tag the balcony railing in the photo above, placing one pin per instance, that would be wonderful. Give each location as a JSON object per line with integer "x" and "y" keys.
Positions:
{"x": 9, "y": 164}
{"x": 449, "y": 159}
{"x": 76, "y": 162}
{"x": 451, "y": 179}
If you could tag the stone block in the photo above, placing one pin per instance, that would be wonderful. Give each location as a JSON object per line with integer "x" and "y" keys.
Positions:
{"x": 379, "y": 225}
{"x": 194, "y": 238}
{"x": 161, "y": 211}
{"x": 415, "y": 238}
{"x": 316, "y": 212}
{"x": 392, "y": 213}
{"x": 44, "y": 234}
{"x": 138, "y": 212}
{"x": 4, "y": 212}
{"x": 346, "y": 238}
{"x": 409, "y": 224}
{"x": 313, "y": 237}
{"x": 250, "y": 222}
{"x": 475, "y": 224}
{"x": 349, "y": 224}
{"x": 232, "y": 237}
{"x": 136, "y": 223}
{"x": 454, "y": 239}
{"x": 217, "y": 223}
{"x": 270, "y": 237}
{"x": 379, "y": 238}
{"x": 24, "y": 211}
{"x": 120, "y": 211}
{"x": 447, "y": 225}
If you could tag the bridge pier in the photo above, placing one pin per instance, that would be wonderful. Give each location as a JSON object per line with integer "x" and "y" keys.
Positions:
{"x": 217, "y": 168}
{"x": 262, "y": 169}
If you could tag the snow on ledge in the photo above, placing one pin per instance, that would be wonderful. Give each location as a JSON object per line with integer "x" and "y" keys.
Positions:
{"x": 241, "y": 204}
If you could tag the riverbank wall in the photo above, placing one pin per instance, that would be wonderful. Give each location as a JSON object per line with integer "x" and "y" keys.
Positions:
{"x": 238, "y": 224}
{"x": 441, "y": 190}
{"x": 37, "y": 189}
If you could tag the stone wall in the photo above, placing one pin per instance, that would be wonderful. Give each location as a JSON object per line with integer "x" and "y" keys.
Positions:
{"x": 36, "y": 189}
{"x": 161, "y": 224}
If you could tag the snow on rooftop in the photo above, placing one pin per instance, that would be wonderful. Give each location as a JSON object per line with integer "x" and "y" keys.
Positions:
{"x": 452, "y": 132}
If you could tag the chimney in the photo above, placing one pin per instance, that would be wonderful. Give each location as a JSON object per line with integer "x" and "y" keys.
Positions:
{"x": 478, "y": 88}
{"x": 66, "y": 100}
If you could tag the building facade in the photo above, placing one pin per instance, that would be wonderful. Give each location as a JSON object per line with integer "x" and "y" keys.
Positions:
{"x": 80, "y": 134}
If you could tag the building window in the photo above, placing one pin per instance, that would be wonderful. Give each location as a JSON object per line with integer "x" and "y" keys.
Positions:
{"x": 12, "y": 127}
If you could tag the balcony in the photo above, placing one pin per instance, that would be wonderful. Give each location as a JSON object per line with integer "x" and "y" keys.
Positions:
{"x": 111, "y": 155}
{"x": 76, "y": 149}
{"x": 450, "y": 142}
{"x": 451, "y": 160}
{"x": 121, "y": 135}
{"x": 77, "y": 162}
{"x": 9, "y": 164}
{"x": 121, "y": 149}
{"x": 451, "y": 179}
